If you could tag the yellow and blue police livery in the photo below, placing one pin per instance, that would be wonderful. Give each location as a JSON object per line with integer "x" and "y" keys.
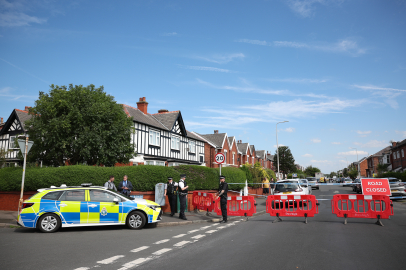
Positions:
{"x": 87, "y": 205}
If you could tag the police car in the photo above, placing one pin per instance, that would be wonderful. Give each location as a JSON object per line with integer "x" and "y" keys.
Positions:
{"x": 85, "y": 205}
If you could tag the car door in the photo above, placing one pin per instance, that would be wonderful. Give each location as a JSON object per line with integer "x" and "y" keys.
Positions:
{"x": 102, "y": 207}
{"x": 305, "y": 185}
{"x": 73, "y": 206}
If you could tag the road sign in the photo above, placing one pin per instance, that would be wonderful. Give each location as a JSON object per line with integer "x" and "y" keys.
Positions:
{"x": 21, "y": 143}
{"x": 219, "y": 158}
{"x": 375, "y": 186}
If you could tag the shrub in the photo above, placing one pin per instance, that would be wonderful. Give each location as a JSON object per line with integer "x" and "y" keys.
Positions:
{"x": 198, "y": 177}
{"x": 398, "y": 175}
{"x": 232, "y": 175}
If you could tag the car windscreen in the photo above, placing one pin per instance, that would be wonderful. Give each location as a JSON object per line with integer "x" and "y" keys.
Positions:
{"x": 125, "y": 196}
{"x": 286, "y": 186}
{"x": 311, "y": 178}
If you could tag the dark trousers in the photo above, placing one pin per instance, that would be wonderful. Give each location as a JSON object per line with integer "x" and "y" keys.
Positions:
{"x": 172, "y": 203}
{"x": 182, "y": 200}
{"x": 223, "y": 204}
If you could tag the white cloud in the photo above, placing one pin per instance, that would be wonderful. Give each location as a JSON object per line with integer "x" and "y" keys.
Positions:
{"x": 289, "y": 129}
{"x": 337, "y": 143}
{"x": 363, "y": 133}
{"x": 373, "y": 87}
{"x": 297, "y": 80}
{"x": 306, "y": 8}
{"x": 373, "y": 143}
{"x": 169, "y": 34}
{"x": 353, "y": 153}
{"x": 307, "y": 155}
{"x": 11, "y": 19}
{"x": 403, "y": 133}
{"x": 207, "y": 69}
{"x": 316, "y": 140}
{"x": 390, "y": 94}
{"x": 347, "y": 45}
{"x": 220, "y": 59}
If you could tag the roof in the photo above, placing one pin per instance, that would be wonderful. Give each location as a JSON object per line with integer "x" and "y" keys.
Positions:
{"x": 399, "y": 144}
{"x": 380, "y": 153}
{"x": 168, "y": 119}
{"x": 243, "y": 147}
{"x": 252, "y": 148}
{"x": 192, "y": 135}
{"x": 23, "y": 116}
{"x": 260, "y": 153}
{"x": 217, "y": 138}
{"x": 269, "y": 157}
{"x": 20, "y": 115}
{"x": 230, "y": 141}
{"x": 197, "y": 135}
{"x": 139, "y": 116}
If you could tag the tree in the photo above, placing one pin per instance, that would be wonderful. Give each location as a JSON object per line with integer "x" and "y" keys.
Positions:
{"x": 3, "y": 155}
{"x": 345, "y": 172}
{"x": 311, "y": 171}
{"x": 286, "y": 160}
{"x": 81, "y": 125}
{"x": 333, "y": 174}
{"x": 353, "y": 173}
{"x": 382, "y": 168}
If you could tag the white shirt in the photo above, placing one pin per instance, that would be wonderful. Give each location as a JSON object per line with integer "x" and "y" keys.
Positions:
{"x": 181, "y": 184}
{"x": 174, "y": 183}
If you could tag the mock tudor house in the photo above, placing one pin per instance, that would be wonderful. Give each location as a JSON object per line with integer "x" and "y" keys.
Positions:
{"x": 10, "y": 130}
{"x": 162, "y": 139}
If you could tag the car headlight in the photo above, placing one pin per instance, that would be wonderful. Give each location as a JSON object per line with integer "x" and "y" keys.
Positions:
{"x": 153, "y": 207}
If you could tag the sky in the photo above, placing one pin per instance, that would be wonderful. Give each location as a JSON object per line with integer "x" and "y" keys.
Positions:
{"x": 335, "y": 69}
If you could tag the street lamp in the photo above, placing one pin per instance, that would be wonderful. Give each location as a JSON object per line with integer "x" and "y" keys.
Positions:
{"x": 357, "y": 159}
{"x": 277, "y": 146}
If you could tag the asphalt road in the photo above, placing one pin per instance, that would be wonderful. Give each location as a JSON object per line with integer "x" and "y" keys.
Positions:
{"x": 324, "y": 243}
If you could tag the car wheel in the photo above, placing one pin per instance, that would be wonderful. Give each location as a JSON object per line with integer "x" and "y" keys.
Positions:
{"x": 49, "y": 223}
{"x": 136, "y": 220}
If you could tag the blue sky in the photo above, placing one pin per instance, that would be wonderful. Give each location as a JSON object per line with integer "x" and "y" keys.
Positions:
{"x": 334, "y": 69}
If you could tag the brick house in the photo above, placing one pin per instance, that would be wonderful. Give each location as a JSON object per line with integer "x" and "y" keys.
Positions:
{"x": 252, "y": 160}
{"x": 397, "y": 156}
{"x": 261, "y": 157}
{"x": 10, "y": 130}
{"x": 269, "y": 161}
{"x": 245, "y": 155}
{"x": 374, "y": 160}
{"x": 162, "y": 139}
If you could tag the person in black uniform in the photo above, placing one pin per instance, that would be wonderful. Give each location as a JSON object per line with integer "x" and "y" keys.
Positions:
{"x": 222, "y": 193}
{"x": 182, "y": 190}
{"x": 170, "y": 190}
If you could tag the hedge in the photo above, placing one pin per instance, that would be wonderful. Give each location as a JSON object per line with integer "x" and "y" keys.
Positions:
{"x": 398, "y": 175}
{"x": 143, "y": 178}
{"x": 232, "y": 175}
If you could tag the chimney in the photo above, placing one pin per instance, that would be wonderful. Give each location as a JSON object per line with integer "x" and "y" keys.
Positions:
{"x": 216, "y": 132}
{"x": 1, "y": 121}
{"x": 26, "y": 108}
{"x": 142, "y": 105}
{"x": 393, "y": 144}
{"x": 162, "y": 111}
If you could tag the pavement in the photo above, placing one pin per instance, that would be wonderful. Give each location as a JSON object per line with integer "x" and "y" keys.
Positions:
{"x": 9, "y": 218}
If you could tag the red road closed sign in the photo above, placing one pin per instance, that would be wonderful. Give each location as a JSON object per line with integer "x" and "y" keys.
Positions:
{"x": 375, "y": 186}
{"x": 219, "y": 158}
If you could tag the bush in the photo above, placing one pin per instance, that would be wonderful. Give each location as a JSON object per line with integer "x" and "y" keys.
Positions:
{"x": 198, "y": 177}
{"x": 398, "y": 175}
{"x": 271, "y": 174}
{"x": 232, "y": 175}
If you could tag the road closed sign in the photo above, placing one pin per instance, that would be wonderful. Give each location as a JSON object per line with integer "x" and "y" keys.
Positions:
{"x": 375, "y": 186}
{"x": 219, "y": 158}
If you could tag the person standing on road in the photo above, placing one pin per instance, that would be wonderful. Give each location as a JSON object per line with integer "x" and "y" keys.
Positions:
{"x": 110, "y": 184}
{"x": 265, "y": 186}
{"x": 125, "y": 186}
{"x": 222, "y": 193}
{"x": 183, "y": 190}
{"x": 170, "y": 190}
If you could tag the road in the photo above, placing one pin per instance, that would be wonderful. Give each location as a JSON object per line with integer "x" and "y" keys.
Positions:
{"x": 324, "y": 243}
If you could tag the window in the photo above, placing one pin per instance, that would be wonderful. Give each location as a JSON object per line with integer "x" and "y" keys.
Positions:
{"x": 225, "y": 157}
{"x": 201, "y": 158}
{"x": 394, "y": 155}
{"x": 52, "y": 195}
{"x": 175, "y": 142}
{"x": 403, "y": 153}
{"x": 102, "y": 196}
{"x": 192, "y": 146}
{"x": 73, "y": 195}
{"x": 248, "y": 159}
{"x": 398, "y": 154}
{"x": 253, "y": 160}
{"x": 387, "y": 159}
{"x": 155, "y": 162}
{"x": 233, "y": 158}
{"x": 12, "y": 144}
{"x": 154, "y": 137}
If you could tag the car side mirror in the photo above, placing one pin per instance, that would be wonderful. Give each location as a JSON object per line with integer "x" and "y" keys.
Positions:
{"x": 115, "y": 200}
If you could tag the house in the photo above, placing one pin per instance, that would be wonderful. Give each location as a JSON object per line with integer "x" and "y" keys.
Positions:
{"x": 269, "y": 161}
{"x": 162, "y": 139}
{"x": 397, "y": 157}
{"x": 253, "y": 155}
{"x": 220, "y": 143}
{"x": 261, "y": 157}
{"x": 374, "y": 160}
{"x": 361, "y": 165}
{"x": 10, "y": 130}
{"x": 244, "y": 152}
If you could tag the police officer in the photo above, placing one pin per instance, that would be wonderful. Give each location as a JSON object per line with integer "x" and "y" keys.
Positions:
{"x": 222, "y": 193}
{"x": 170, "y": 190}
{"x": 182, "y": 190}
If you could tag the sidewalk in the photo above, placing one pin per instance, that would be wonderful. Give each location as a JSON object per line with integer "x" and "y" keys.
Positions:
{"x": 9, "y": 218}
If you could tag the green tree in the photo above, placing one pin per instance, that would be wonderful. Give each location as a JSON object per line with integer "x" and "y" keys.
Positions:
{"x": 345, "y": 172}
{"x": 353, "y": 173}
{"x": 286, "y": 160}
{"x": 80, "y": 124}
{"x": 333, "y": 174}
{"x": 382, "y": 168}
{"x": 3, "y": 154}
{"x": 311, "y": 171}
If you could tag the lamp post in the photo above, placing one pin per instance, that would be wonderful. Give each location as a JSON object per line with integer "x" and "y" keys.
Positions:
{"x": 277, "y": 146}
{"x": 357, "y": 159}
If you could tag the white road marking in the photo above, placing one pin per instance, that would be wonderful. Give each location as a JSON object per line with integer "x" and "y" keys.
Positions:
{"x": 139, "y": 249}
{"x": 198, "y": 236}
{"x": 110, "y": 260}
{"x": 82, "y": 268}
{"x": 134, "y": 263}
{"x": 162, "y": 251}
{"x": 222, "y": 227}
{"x": 162, "y": 241}
{"x": 216, "y": 224}
{"x": 181, "y": 243}
{"x": 212, "y": 231}
{"x": 179, "y": 236}
{"x": 336, "y": 191}
{"x": 193, "y": 231}
{"x": 204, "y": 228}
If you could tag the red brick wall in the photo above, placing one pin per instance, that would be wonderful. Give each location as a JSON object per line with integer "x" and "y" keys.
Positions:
{"x": 9, "y": 199}
{"x": 363, "y": 166}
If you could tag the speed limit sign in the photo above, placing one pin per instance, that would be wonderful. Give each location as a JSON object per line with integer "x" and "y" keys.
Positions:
{"x": 219, "y": 158}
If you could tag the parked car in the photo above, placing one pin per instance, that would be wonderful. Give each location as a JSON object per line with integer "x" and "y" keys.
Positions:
{"x": 291, "y": 187}
{"x": 347, "y": 181}
{"x": 85, "y": 205}
{"x": 357, "y": 186}
{"x": 397, "y": 188}
{"x": 313, "y": 182}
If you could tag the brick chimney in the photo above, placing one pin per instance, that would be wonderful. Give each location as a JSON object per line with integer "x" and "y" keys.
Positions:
{"x": 1, "y": 121}
{"x": 216, "y": 132}
{"x": 393, "y": 144}
{"x": 26, "y": 108}
{"x": 162, "y": 111}
{"x": 142, "y": 105}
